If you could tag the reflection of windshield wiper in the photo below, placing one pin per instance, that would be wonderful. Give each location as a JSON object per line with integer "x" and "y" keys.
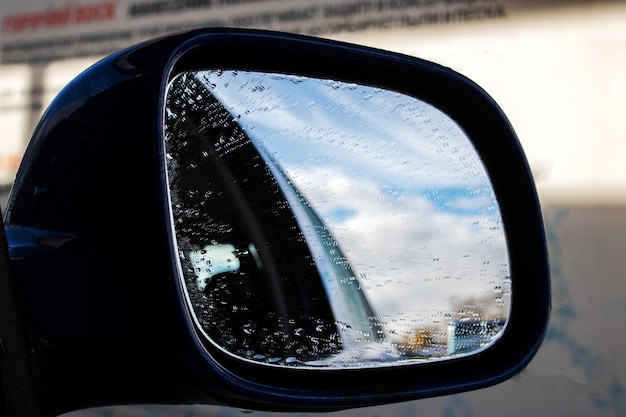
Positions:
{"x": 354, "y": 315}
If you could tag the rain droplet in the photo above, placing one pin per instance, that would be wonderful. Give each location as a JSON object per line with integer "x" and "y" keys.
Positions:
{"x": 249, "y": 328}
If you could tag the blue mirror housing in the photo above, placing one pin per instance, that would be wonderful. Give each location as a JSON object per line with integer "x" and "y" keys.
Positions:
{"x": 92, "y": 249}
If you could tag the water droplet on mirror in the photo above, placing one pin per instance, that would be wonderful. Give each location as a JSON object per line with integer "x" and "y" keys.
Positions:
{"x": 249, "y": 328}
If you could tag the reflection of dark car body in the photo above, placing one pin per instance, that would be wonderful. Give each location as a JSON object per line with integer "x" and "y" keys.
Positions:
{"x": 274, "y": 306}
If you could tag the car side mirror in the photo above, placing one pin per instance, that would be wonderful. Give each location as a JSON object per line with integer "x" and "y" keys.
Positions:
{"x": 274, "y": 222}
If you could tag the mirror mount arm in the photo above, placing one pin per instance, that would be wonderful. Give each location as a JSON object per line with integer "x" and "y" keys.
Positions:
{"x": 18, "y": 346}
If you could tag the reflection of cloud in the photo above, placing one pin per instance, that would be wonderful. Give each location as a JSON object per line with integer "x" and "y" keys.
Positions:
{"x": 407, "y": 253}
{"x": 467, "y": 204}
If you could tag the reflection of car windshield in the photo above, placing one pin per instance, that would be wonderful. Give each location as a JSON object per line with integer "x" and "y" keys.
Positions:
{"x": 265, "y": 279}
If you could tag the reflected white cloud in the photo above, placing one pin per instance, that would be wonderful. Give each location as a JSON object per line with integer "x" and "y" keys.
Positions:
{"x": 437, "y": 256}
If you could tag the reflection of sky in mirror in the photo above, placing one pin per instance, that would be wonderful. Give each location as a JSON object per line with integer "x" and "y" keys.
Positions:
{"x": 395, "y": 179}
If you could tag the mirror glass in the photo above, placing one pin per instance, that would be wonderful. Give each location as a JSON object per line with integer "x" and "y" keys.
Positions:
{"x": 326, "y": 224}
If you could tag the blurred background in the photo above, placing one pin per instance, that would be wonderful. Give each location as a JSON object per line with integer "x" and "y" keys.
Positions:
{"x": 558, "y": 70}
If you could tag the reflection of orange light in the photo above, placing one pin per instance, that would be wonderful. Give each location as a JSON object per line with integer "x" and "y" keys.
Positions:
{"x": 421, "y": 338}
